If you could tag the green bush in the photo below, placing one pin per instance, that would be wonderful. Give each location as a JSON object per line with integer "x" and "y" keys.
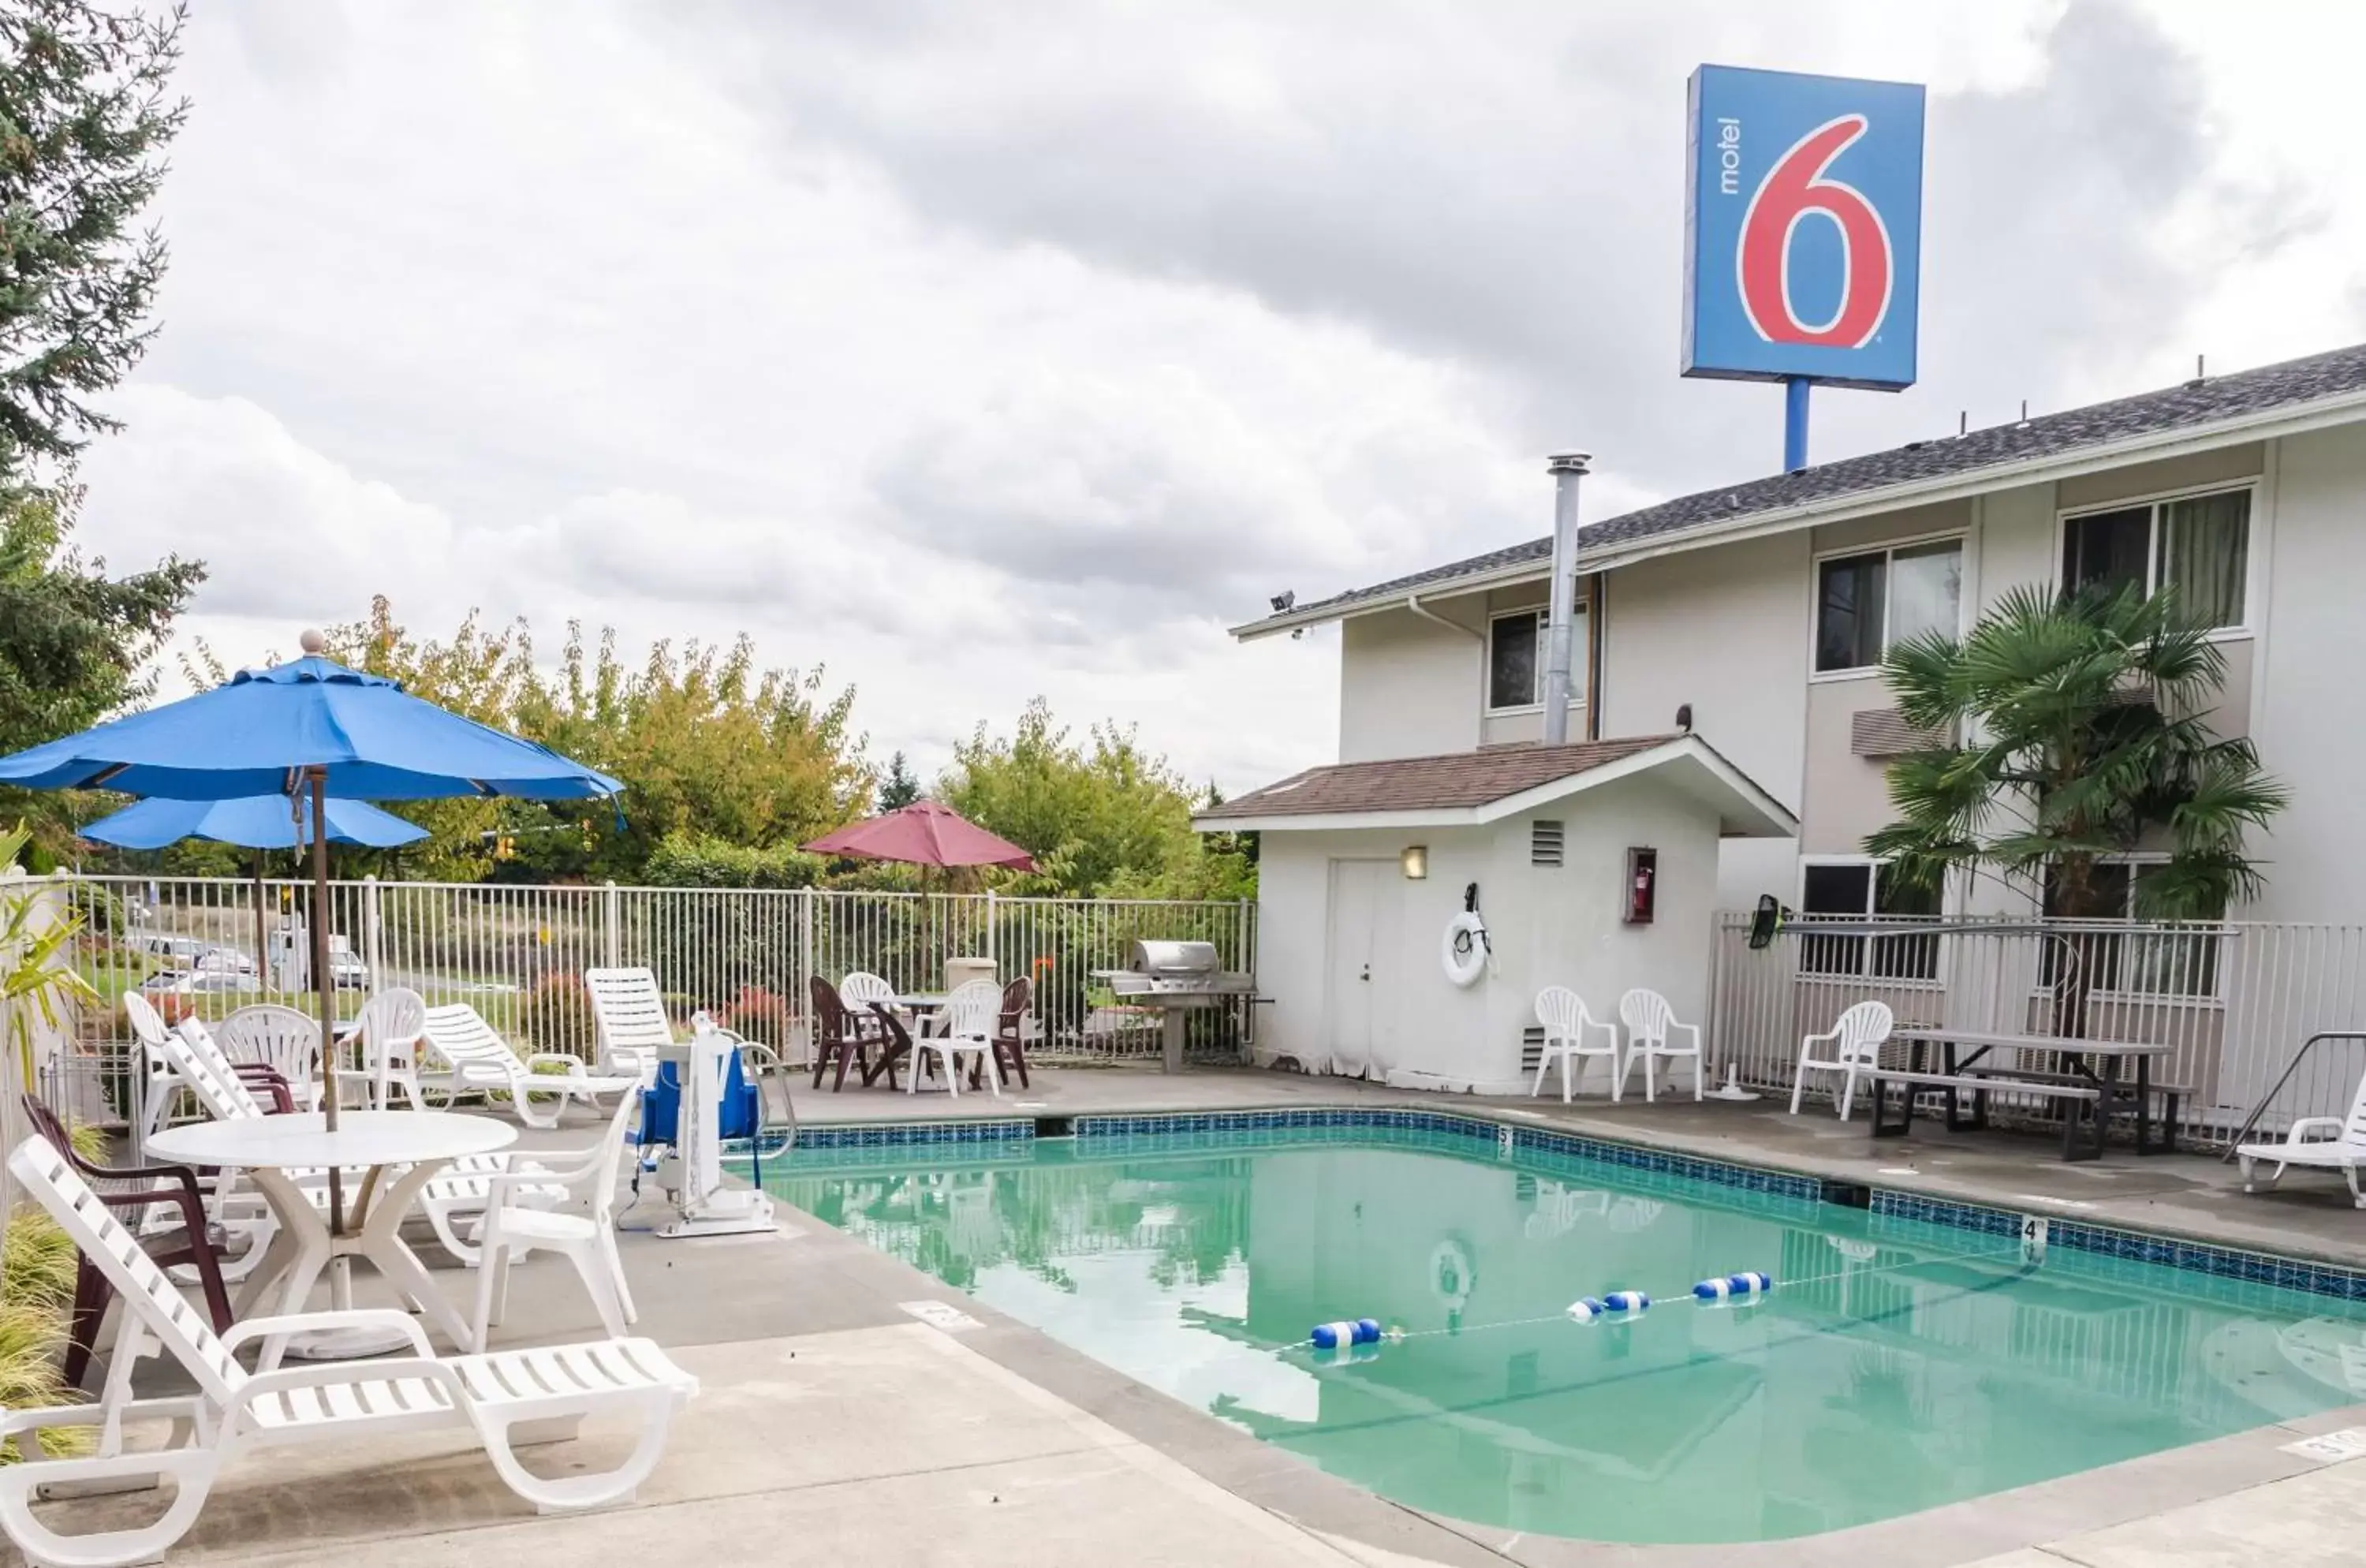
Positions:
{"x": 556, "y": 1015}
{"x": 683, "y": 861}
{"x": 37, "y": 1283}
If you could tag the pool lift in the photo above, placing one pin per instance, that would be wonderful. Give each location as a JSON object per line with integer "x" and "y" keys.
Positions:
{"x": 714, "y": 1087}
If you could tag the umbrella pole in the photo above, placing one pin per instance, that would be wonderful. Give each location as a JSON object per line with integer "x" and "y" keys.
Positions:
{"x": 262, "y": 960}
{"x": 323, "y": 982}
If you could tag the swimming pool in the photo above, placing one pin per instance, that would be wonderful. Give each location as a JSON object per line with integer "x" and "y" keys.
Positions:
{"x": 1897, "y": 1365}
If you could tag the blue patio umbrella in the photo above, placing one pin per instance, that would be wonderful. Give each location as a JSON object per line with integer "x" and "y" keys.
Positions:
{"x": 306, "y": 728}
{"x": 255, "y": 822}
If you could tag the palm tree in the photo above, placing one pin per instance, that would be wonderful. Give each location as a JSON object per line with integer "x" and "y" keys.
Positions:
{"x": 2076, "y": 731}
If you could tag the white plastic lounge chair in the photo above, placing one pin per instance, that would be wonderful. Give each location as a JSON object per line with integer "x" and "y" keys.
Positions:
{"x": 474, "y": 1057}
{"x": 630, "y": 1013}
{"x": 2319, "y": 1143}
{"x": 280, "y": 1038}
{"x": 389, "y": 1028}
{"x": 971, "y": 1015}
{"x": 234, "y": 1410}
{"x": 1855, "y": 1042}
{"x": 518, "y": 1220}
{"x": 1566, "y": 1019}
{"x": 1652, "y": 1029}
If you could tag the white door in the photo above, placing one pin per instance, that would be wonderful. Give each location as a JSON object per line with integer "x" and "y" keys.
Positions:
{"x": 1364, "y": 913}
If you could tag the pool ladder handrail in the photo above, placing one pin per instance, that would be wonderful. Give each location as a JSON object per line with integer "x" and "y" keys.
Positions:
{"x": 2283, "y": 1078}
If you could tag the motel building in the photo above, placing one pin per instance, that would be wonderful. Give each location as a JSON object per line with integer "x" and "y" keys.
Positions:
{"x": 1729, "y": 728}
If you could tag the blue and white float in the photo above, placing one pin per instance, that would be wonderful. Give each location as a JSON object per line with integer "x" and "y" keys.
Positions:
{"x": 1341, "y": 1336}
{"x": 1749, "y": 1285}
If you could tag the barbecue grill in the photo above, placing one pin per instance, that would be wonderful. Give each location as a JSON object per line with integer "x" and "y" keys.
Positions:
{"x": 1173, "y": 977}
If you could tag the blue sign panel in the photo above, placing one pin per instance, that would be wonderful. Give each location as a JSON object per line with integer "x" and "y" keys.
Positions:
{"x": 1803, "y": 228}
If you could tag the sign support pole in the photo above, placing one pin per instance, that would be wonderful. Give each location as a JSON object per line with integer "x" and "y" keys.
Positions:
{"x": 1794, "y": 423}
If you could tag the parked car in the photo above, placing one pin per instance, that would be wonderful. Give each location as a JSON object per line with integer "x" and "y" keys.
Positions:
{"x": 164, "y": 944}
{"x": 222, "y": 961}
{"x": 199, "y": 982}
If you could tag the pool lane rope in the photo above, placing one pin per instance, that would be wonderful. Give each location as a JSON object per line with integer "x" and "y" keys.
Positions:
{"x": 1360, "y": 1340}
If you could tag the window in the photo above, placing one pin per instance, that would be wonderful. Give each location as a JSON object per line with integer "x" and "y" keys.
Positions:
{"x": 2174, "y": 960}
{"x": 1516, "y": 659}
{"x": 1862, "y": 890}
{"x": 1866, "y": 605}
{"x": 2198, "y": 545}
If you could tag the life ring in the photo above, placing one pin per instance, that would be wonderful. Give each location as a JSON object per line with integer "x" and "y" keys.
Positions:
{"x": 1465, "y": 948}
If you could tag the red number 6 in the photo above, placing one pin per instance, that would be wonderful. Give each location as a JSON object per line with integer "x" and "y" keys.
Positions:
{"x": 1792, "y": 189}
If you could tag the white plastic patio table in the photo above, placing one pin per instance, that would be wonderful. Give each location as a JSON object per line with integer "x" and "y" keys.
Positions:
{"x": 420, "y": 1143}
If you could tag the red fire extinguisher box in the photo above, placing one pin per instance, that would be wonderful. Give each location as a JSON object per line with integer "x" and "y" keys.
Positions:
{"x": 1642, "y": 885}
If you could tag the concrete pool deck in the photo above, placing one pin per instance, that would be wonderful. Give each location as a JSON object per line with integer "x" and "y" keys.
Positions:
{"x": 835, "y": 1426}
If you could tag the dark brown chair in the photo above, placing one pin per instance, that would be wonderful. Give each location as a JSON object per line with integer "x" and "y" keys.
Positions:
{"x": 841, "y": 1036}
{"x": 128, "y": 1187}
{"x": 1009, "y": 1030}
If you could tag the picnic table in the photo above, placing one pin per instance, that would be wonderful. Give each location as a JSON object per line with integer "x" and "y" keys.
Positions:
{"x": 2092, "y": 1079}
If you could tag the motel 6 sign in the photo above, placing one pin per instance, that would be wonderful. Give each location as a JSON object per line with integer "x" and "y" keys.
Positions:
{"x": 1803, "y": 231}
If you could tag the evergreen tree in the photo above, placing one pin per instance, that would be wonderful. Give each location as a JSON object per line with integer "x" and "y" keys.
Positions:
{"x": 83, "y": 122}
{"x": 900, "y": 789}
{"x": 84, "y": 119}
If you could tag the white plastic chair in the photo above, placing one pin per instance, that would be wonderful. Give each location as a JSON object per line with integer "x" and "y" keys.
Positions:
{"x": 233, "y": 1410}
{"x": 158, "y": 1086}
{"x": 280, "y": 1038}
{"x": 1651, "y": 1027}
{"x": 971, "y": 1015}
{"x": 474, "y": 1057}
{"x": 518, "y": 1220}
{"x": 1855, "y": 1041}
{"x": 629, "y": 1012}
{"x": 1566, "y": 1019}
{"x": 860, "y": 989}
{"x": 2343, "y": 1151}
{"x": 389, "y": 1029}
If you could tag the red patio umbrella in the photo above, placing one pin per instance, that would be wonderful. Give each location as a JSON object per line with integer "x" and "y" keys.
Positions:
{"x": 923, "y": 833}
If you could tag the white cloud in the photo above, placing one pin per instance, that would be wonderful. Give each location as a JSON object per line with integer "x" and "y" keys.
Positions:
{"x": 987, "y": 351}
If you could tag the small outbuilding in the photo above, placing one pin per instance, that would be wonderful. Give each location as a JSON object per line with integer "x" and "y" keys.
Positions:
{"x": 1591, "y": 866}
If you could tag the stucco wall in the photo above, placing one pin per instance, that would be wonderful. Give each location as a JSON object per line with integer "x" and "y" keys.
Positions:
{"x": 1549, "y": 925}
{"x": 1723, "y": 630}
{"x": 2308, "y": 715}
{"x": 1410, "y": 687}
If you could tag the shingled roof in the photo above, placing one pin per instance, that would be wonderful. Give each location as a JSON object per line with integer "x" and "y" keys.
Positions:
{"x": 1419, "y": 784}
{"x": 2272, "y": 388}
{"x": 1470, "y": 782}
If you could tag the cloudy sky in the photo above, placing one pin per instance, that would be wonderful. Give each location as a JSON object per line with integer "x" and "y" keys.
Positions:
{"x": 981, "y": 352}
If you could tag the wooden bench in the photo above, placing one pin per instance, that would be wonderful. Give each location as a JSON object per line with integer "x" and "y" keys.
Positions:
{"x": 2148, "y": 1140}
{"x": 1909, "y": 1084}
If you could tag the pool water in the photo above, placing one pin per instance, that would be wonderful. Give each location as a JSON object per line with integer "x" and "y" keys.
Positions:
{"x": 1896, "y": 1366}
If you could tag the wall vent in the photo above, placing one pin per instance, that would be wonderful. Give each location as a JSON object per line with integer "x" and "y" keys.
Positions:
{"x": 1544, "y": 842}
{"x": 1532, "y": 1049}
{"x": 1884, "y": 732}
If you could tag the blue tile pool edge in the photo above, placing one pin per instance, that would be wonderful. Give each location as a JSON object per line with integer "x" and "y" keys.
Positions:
{"x": 2310, "y": 1276}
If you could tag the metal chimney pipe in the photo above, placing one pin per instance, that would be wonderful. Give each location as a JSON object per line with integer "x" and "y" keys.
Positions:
{"x": 1567, "y": 468}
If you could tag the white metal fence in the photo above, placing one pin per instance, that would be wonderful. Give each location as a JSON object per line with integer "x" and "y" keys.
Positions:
{"x": 2235, "y": 1001}
{"x": 517, "y": 954}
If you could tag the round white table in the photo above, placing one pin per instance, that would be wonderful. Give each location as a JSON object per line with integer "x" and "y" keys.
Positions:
{"x": 387, "y": 1156}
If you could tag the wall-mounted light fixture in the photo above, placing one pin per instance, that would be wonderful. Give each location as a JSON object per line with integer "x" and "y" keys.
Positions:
{"x": 1415, "y": 862}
